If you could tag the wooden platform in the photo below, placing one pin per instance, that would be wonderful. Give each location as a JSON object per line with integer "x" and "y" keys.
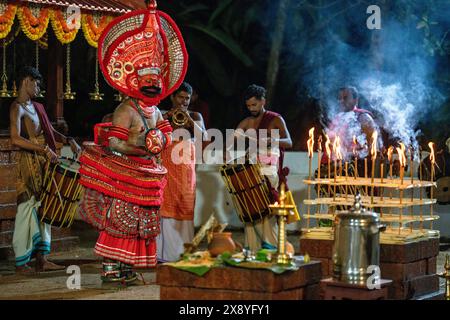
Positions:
{"x": 336, "y": 290}
{"x": 411, "y": 266}
{"x": 229, "y": 283}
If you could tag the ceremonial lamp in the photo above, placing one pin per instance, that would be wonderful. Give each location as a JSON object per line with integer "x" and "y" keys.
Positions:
{"x": 14, "y": 91}
{"x": 282, "y": 210}
{"x": 96, "y": 95}
{"x": 4, "y": 93}
{"x": 68, "y": 95}
{"x": 446, "y": 276}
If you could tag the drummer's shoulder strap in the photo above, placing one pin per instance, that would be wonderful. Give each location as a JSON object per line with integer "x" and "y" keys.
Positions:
{"x": 46, "y": 125}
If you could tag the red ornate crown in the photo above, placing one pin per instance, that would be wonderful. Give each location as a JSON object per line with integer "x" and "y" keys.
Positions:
{"x": 142, "y": 54}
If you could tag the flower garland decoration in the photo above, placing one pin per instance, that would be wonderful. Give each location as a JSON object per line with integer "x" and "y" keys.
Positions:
{"x": 33, "y": 20}
{"x": 7, "y": 15}
{"x": 93, "y": 26}
{"x": 64, "y": 32}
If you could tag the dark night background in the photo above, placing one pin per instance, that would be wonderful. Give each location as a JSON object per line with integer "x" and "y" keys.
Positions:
{"x": 316, "y": 46}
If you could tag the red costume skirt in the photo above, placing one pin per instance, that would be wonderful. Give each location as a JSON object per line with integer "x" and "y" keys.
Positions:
{"x": 140, "y": 253}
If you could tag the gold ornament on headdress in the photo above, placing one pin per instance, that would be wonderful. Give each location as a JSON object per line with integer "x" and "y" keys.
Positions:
{"x": 96, "y": 95}
{"x": 68, "y": 95}
{"x": 4, "y": 91}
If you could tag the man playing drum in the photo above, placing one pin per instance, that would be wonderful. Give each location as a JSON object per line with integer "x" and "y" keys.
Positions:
{"x": 32, "y": 132}
{"x": 263, "y": 233}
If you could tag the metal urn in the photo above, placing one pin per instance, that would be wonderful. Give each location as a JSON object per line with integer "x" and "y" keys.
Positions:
{"x": 356, "y": 251}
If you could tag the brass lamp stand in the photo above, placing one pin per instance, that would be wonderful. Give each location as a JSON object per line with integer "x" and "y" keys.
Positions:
{"x": 446, "y": 276}
{"x": 282, "y": 210}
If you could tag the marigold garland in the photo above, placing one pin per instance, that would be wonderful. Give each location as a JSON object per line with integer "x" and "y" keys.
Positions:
{"x": 33, "y": 27}
{"x": 7, "y": 20}
{"x": 91, "y": 30}
{"x": 63, "y": 32}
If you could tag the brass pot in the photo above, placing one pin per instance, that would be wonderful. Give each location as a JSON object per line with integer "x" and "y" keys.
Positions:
{"x": 356, "y": 244}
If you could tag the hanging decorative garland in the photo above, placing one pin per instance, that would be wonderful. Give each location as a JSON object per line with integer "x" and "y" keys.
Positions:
{"x": 33, "y": 20}
{"x": 12, "y": 35}
{"x": 64, "y": 33}
{"x": 93, "y": 26}
{"x": 7, "y": 15}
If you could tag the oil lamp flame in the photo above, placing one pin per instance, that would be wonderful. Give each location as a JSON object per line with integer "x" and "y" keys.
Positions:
{"x": 373, "y": 150}
{"x": 337, "y": 147}
{"x": 311, "y": 142}
{"x": 401, "y": 154}
{"x": 390, "y": 152}
{"x": 327, "y": 146}
{"x": 432, "y": 156}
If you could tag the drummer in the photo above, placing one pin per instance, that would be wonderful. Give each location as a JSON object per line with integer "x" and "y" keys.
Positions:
{"x": 32, "y": 132}
{"x": 263, "y": 233}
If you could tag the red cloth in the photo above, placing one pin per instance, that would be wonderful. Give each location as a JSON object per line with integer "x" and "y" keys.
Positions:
{"x": 282, "y": 171}
{"x": 179, "y": 194}
{"x": 139, "y": 253}
{"x": 46, "y": 125}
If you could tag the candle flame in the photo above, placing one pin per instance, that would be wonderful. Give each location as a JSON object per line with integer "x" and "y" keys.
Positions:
{"x": 373, "y": 150}
{"x": 355, "y": 143}
{"x": 319, "y": 144}
{"x": 401, "y": 154}
{"x": 327, "y": 146}
{"x": 311, "y": 142}
{"x": 390, "y": 152}
{"x": 337, "y": 148}
{"x": 432, "y": 157}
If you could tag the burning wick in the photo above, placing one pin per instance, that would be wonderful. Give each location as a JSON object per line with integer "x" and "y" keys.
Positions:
{"x": 390, "y": 152}
{"x": 319, "y": 150}
{"x": 402, "y": 159}
{"x": 433, "y": 161}
{"x": 411, "y": 163}
{"x": 338, "y": 156}
{"x": 373, "y": 152}
{"x": 328, "y": 149}
{"x": 310, "y": 143}
{"x": 310, "y": 148}
{"x": 355, "y": 154}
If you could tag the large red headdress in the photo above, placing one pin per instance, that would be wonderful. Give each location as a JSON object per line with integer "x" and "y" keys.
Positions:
{"x": 142, "y": 54}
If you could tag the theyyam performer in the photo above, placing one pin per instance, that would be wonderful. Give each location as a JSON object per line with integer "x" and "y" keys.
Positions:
{"x": 141, "y": 54}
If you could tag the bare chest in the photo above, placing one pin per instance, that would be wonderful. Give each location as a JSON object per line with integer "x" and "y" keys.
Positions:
{"x": 30, "y": 124}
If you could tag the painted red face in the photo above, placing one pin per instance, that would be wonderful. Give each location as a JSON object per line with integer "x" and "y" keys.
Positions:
{"x": 150, "y": 84}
